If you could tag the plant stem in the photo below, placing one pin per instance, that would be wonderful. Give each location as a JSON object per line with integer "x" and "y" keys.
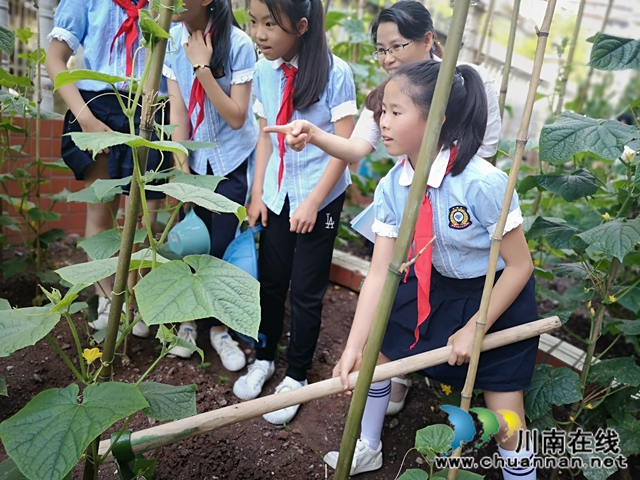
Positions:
{"x": 153, "y": 366}
{"x": 74, "y": 332}
{"x": 568, "y": 66}
{"x": 115, "y": 440}
{"x": 66, "y": 359}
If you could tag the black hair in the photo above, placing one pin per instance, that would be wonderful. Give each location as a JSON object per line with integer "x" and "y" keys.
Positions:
{"x": 314, "y": 57}
{"x": 626, "y": 118}
{"x": 413, "y": 21}
{"x": 223, "y": 23}
{"x": 466, "y": 112}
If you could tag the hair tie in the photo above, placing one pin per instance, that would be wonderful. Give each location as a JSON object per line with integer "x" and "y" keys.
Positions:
{"x": 459, "y": 75}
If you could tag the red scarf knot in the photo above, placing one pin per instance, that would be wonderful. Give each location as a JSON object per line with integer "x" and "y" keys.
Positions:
{"x": 129, "y": 29}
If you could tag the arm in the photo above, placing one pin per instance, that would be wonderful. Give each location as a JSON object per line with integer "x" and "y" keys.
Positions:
{"x": 58, "y": 55}
{"x": 366, "y": 309}
{"x": 233, "y": 107}
{"x": 257, "y": 208}
{"x": 305, "y": 216}
{"x": 178, "y": 116}
{"x": 518, "y": 269}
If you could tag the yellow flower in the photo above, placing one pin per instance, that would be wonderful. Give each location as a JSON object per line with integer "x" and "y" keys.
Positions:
{"x": 572, "y": 419}
{"x": 537, "y": 262}
{"x": 589, "y": 406}
{"x": 592, "y": 311}
{"x": 612, "y": 298}
{"x": 446, "y": 389}
{"x": 606, "y": 216}
{"x": 91, "y": 355}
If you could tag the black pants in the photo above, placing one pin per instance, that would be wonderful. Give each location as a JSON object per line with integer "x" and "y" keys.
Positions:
{"x": 222, "y": 226}
{"x": 304, "y": 260}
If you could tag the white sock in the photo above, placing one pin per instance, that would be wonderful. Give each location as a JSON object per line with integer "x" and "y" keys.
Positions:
{"x": 374, "y": 411}
{"x": 513, "y": 471}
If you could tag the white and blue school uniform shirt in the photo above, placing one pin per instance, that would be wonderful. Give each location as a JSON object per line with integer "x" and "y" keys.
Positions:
{"x": 302, "y": 170}
{"x": 93, "y": 24}
{"x": 465, "y": 212}
{"x": 232, "y": 146}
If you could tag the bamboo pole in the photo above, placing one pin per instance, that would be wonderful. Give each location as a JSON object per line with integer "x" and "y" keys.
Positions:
{"x": 427, "y": 153}
{"x": 506, "y": 70}
{"x": 568, "y": 66}
{"x": 587, "y": 84}
{"x": 485, "y": 30}
{"x": 496, "y": 238}
{"x": 169, "y": 433}
{"x": 149, "y": 93}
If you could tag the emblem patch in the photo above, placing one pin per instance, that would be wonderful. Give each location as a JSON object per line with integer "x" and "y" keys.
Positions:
{"x": 459, "y": 217}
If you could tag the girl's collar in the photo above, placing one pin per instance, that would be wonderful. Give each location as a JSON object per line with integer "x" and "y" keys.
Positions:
{"x": 186, "y": 34}
{"x": 275, "y": 64}
{"x": 436, "y": 175}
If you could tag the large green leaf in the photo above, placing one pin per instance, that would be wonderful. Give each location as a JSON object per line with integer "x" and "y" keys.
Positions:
{"x": 201, "y": 286}
{"x": 106, "y": 244}
{"x": 434, "y": 439}
{"x": 628, "y": 428}
{"x": 572, "y": 133}
{"x": 49, "y": 435}
{"x": 203, "y": 197}
{"x": 100, "y": 191}
{"x": 193, "y": 145}
{"x": 615, "y": 238}
{"x": 72, "y": 76}
{"x": 12, "y": 81}
{"x": 550, "y": 386}
{"x": 209, "y": 182}
{"x": 629, "y": 297}
{"x": 23, "y": 327}
{"x": 414, "y": 474}
{"x": 597, "y": 472}
{"x": 571, "y": 270}
{"x": 628, "y": 327}
{"x": 7, "y": 40}
{"x": 167, "y": 402}
{"x": 570, "y": 187}
{"x": 91, "y": 272}
{"x": 615, "y": 53}
{"x": 101, "y": 140}
{"x": 623, "y": 370}
{"x": 558, "y": 235}
{"x": 9, "y": 471}
{"x": 149, "y": 28}
{"x": 3, "y": 386}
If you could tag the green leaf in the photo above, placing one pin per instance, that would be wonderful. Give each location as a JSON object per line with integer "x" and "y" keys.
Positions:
{"x": 50, "y": 236}
{"x": 356, "y": 30}
{"x": 529, "y": 182}
{"x": 595, "y": 473}
{"x": 333, "y": 18}
{"x": 150, "y": 28}
{"x": 558, "y": 235}
{"x": 4, "y": 304}
{"x": 572, "y": 133}
{"x": 11, "y": 81}
{"x": 23, "y": 327}
{"x": 24, "y": 34}
{"x": 550, "y": 386}
{"x": 461, "y": 475}
{"x": 628, "y": 428}
{"x": 9, "y": 222}
{"x": 72, "y": 76}
{"x": 200, "y": 196}
{"x": 571, "y": 270}
{"x": 414, "y": 474}
{"x": 241, "y": 16}
{"x": 628, "y": 327}
{"x": 623, "y": 370}
{"x": 614, "y": 53}
{"x": 101, "y": 140}
{"x": 173, "y": 293}
{"x": 192, "y": 145}
{"x": 37, "y": 214}
{"x": 105, "y": 244}
{"x": 100, "y": 191}
{"x": 9, "y": 471}
{"x": 434, "y": 439}
{"x": 580, "y": 183}
{"x": 7, "y": 40}
{"x": 209, "y": 182}
{"x": 91, "y": 272}
{"x": 14, "y": 266}
{"x": 167, "y": 402}
{"x": 630, "y": 300}
{"x": 615, "y": 238}
{"x": 3, "y": 386}
{"x": 49, "y": 435}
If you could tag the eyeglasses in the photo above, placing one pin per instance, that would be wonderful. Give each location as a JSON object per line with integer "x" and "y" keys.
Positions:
{"x": 392, "y": 50}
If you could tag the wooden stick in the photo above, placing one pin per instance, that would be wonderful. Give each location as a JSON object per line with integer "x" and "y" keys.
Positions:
{"x": 506, "y": 70}
{"x": 496, "y": 238}
{"x": 167, "y": 434}
{"x": 485, "y": 30}
{"x": 568, "y": 65}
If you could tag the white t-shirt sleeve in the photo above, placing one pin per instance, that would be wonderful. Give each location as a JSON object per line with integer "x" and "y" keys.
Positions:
{"x": 367, "y": 128}
{"x": 491, "y": 138}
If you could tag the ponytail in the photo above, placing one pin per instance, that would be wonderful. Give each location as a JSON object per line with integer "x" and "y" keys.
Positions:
{"x": 314, "y": 57}
{"x": 223, "y": 23}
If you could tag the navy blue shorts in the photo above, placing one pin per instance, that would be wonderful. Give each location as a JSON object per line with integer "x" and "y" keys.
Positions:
{"x": 106, "y": 108}
{"x": 453, "y": 303}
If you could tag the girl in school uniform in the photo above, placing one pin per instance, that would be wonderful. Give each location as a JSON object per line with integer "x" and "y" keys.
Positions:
{"x": 297, "y": 197}
{"x": 402, "y": 33}
{"x": 438, "y": 301}
{"x": 108, "y": 32}
{"x": 209, "y": 69}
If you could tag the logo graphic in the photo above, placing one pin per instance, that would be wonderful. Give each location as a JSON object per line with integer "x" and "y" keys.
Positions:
{"x": 330, "y": 223}
{"x": 459, "y": 217}
{"x": 476, "y": 427}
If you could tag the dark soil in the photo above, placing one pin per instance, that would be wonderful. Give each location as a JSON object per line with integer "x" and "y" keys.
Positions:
{"x": 253, "y": 449}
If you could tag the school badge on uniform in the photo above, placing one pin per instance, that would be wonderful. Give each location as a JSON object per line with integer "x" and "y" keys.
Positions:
{"x": 459, "y": 217}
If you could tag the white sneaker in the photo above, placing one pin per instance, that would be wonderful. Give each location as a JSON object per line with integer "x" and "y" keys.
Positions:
{"x": 140, "y": 329}
{"x": 232, "y": 357}
{"x": 285, "y": 415}
{"x": 104, "y": 308}
{"x": 365, "y": 458}
{"x": 249, "y": 386}
{"x": 188, "y": 333}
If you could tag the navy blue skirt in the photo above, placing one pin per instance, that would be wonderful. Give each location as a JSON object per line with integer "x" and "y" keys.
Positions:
{"x": 106, "y": 108}
{"x": 453, "y": 303}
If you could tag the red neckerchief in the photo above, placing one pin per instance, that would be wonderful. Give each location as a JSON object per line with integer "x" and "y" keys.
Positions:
{"x": 421, "y": 237}
{"x": 196, "y": 98}
{"x": 129, "y": 29}
{"x": 285, "y": 113}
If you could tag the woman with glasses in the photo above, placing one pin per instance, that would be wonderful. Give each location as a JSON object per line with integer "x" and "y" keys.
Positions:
{"x": 402, "y": 34}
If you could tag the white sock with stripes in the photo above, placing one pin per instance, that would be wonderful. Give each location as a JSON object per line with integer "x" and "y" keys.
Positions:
{"x": 374, "y": 410}
{"x": 513, "y": 469}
